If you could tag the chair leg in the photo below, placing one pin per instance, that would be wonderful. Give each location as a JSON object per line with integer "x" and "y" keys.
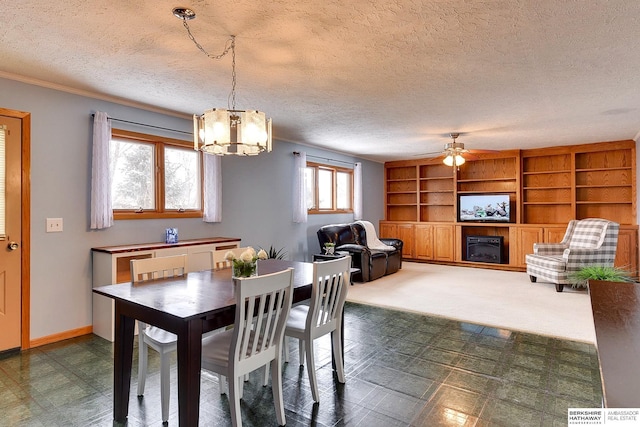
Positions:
{"x": 235, "y": 391}
{"x": 143, "y": 351}
{"x": 285, "y": 349}
{"x": 222, "y": 380}
{"x": 276, "y": 381}
{"x": 311, "y": 370}
{"x": 559, "y": 287}
{"x": 165, "y": 382}
{"x": 265, "y": 379}
{"x": 301, "y": 351}
{"x": 533, "y": 278}
{"x": 336, "y": 336}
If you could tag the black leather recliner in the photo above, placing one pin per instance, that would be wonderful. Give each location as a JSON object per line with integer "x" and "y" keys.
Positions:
{"x": 352, "y": 238}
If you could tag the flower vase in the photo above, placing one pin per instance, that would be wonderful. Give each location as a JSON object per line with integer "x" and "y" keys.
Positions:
{"x": 245, "y": 268}
{"x": 329, "y": 250}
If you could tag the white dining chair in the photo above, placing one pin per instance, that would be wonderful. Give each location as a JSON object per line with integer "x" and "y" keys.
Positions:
{"x": 322, "y": 316}
{"x": 150, "y": 336}
{"x": 263, "y": 304}
{"x": 218, "y": 261}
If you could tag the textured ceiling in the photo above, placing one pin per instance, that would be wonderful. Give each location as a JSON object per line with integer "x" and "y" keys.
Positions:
{"x": 384, "y": 80}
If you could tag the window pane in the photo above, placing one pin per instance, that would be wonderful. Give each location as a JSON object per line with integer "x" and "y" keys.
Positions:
{"x": 181, "y": 178}
{"x": 132, "y": 184}
{"x": 343, "y": 190}
{"x": 310, "y": 187}
{"x": 325, "y": 189}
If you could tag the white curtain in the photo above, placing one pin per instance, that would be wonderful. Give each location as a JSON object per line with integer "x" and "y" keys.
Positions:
{"x": 299, "y": 193}
{"x": 101, "y": 212}
{"x": 212, "y": 188}
{"x": 357, "y": 191}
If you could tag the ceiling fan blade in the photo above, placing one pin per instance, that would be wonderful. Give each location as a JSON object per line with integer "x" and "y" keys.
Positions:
{"x": 479, "y": 151}
{"x": 432, "y": 154}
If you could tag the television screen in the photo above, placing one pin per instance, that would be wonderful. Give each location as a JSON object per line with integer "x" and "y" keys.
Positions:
{"x": 484, "y": 208}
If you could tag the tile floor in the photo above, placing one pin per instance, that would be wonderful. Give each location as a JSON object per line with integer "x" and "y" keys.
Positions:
{"x": 402, "y": 369}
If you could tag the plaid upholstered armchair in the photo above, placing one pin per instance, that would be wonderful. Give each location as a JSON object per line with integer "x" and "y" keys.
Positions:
{"x": 586, "y": 242}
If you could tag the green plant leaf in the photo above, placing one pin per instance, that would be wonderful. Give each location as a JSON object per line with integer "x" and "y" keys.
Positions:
{"x": 580, "y": 278}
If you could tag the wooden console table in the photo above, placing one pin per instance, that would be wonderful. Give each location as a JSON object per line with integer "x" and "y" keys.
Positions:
{"x": 616, "y": 315}
{"x": 111, "y": 265}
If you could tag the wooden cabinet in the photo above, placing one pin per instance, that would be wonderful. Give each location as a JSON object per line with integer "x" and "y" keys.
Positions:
{"x": 605, "y": 184}
{"x": 424, "y": 241}
{"x": 111, "y": 265}
{"x": 401, "y": 192}
{"x": 437, "y": 193}
{"x": 547, "y": 188}
{"x": 627, "y": 252}
{"x": 443, "y": 242}
{"x": 402, "y": 231}
{"x": 434, "y": 242}
{"x": 524, "y": 238}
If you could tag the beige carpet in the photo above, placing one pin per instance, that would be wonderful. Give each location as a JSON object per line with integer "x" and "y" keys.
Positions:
{"x": 502, "y": 299}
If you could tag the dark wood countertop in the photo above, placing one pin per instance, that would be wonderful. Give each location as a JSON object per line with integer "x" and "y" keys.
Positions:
{"x": 163, "y": 245}
{"x": 616, "y": 315}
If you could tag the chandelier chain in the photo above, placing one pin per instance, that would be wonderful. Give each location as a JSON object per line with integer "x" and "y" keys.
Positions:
{"x": 230, "y": 45}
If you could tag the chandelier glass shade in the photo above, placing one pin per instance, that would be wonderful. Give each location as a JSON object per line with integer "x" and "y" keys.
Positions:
{"x": 224, "y": 132}
{"x": 227, "y": 131}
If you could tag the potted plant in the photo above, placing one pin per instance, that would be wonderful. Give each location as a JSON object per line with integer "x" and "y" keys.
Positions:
{"x": 580, "y": 278}
{"x": 329, "y": 248}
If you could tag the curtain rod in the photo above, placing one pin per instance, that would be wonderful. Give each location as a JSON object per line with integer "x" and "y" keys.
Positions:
{"x": 296, "y": 153}
{"x": 146, "y": 125}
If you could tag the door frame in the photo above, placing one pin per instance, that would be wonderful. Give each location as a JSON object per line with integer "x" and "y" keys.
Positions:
{"x": 25, "y": 244}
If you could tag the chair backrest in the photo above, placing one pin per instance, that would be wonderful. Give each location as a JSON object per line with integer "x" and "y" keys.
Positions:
{"x": 157, "y": 268}
{"x": 218, "y": 262}
{"x": 263, "y": 304}
{"x": 331, "y": 281}
{"x": 592, "y": 233}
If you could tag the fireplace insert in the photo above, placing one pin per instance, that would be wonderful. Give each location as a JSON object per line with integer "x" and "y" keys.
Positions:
{"x": 484, "y": 249}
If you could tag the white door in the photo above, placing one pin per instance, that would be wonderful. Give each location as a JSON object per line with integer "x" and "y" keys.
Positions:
{"x": 10, "y": 233}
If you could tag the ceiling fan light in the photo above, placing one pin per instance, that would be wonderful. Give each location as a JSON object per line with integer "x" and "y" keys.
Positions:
{"x": 448, "y": 160}
{"x": 459, "y": 160}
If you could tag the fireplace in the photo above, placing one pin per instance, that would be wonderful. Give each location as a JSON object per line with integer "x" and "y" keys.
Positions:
{"x": 484, "y": 249}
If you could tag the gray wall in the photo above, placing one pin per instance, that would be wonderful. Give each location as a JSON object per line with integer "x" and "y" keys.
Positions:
{"x": 257, "y": 201}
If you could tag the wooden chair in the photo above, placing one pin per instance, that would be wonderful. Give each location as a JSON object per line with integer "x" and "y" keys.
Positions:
{"x": 150, "y": 336}
{"x": 263, "y": 304}
{"x": 322, "y": 316}
{"x": 218, "y": 261}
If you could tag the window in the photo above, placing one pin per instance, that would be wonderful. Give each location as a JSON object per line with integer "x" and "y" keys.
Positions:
{"x": 154, "y": 177}
{"x": 329, "y": 189}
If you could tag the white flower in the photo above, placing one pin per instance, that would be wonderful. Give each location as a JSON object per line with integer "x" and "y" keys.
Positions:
{"x": 247, "y": 256}
{"x": 262, "y": 254}
{"x": 253, "y": 251}
{"x": 229, "y": 256}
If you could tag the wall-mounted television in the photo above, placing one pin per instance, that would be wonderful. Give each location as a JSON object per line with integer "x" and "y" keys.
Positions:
{"x": 484, "y": 208}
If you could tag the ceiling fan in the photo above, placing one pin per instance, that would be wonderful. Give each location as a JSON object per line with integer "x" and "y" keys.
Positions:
{"x": 453, "y": 152}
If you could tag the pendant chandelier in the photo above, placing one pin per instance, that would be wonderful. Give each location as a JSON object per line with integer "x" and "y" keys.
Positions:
{"x": 227, "y": 131}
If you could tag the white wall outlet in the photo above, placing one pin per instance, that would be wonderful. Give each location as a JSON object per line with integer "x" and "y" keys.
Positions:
{"x": 54, "y": 225}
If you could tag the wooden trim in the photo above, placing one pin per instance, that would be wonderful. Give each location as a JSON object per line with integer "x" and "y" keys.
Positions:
{"x": 73, "y": 333}
{"x": 26, "y": 223}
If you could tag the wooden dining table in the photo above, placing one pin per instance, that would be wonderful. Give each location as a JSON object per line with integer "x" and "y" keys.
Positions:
{"x": 188, "y": 306}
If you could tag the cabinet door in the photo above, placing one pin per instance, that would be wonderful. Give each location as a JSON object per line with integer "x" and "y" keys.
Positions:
{"x": 424, "y": 241}
{"x": 627, "y": 251}
{"x": 554, "y": 234}
{"x": 388, "y": 230}
{"x": 525, "y": 238}
{"x": 443, "y": 242}
{"x": 406, "y": 234}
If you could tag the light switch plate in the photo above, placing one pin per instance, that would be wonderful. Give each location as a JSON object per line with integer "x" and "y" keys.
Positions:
{"x": 54, "y": 225}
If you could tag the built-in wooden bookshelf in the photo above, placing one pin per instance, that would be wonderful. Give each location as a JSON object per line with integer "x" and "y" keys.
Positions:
{"x": 547, "y": 188}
